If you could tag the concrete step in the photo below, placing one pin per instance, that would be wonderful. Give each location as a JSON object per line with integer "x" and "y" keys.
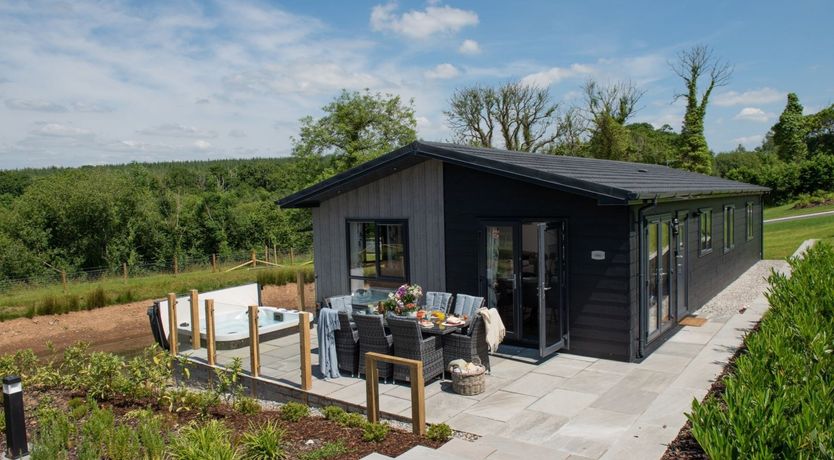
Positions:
{"x": 467, "y": 449}
{"x": 376, "y": 456}
{"x": 510, "y": 449}
{"x": 423, "y": 453}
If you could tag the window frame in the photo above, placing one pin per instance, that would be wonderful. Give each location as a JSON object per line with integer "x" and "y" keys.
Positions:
{"x": 702, "y": 251}
{"x": 377, "y": 248}
{"x": 749, "y": 215}
{"x": 729, "y": 234}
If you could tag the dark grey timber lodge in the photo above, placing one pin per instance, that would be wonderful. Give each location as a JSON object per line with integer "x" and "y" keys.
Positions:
{"x": 594, "y": 257}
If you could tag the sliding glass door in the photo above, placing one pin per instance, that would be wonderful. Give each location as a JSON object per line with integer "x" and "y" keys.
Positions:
{"x": 660, "y": 272}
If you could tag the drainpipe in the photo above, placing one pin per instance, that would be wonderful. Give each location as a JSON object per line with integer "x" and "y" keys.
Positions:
{"x": 640, "y": 212}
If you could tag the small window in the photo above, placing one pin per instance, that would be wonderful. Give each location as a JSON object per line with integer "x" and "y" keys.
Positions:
{"x": 729, "y": 228}
{"x": 750, "y": 228}
{"x": 705, "y": 231}
{"x": 378, "y": 254}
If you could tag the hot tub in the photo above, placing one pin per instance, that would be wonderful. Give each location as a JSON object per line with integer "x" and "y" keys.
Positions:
{"x": 231, "y": 319}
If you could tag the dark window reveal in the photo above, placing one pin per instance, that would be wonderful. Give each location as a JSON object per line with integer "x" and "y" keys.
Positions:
{"x": 705, "y": 231}
{"x": 378, "y": 253}
{"x": 750, "y": 228}
{"x": 729, "y": 228}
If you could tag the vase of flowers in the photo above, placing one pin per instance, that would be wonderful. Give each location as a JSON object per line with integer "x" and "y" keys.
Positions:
{"x": 405, "y": 301}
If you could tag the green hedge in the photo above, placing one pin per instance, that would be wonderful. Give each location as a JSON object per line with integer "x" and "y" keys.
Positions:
{"x": 779, "y": 398}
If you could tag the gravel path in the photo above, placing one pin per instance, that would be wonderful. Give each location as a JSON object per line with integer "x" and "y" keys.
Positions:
{"x": 742, "y": 291}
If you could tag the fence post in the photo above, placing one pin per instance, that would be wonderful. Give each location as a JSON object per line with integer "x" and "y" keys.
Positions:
{"x": 299, "y": 285}
{"x": 275, "y": 252}
{"x": 254, "y": 342}
{"x": 266, "y": 253}
{"x": 304, "y": 344}
{"x": 14, "y": 417}
{"x": 254, "y": 259}
{"x": 172, "y": 323}
{"x": 64, "y": 280}
{"x": 211, "y": 351}
{"x": 176, "y": 266}
{"x": 195, "y": 320}
{"x": 124, "y": 271}
{"x": 213, "y": 263}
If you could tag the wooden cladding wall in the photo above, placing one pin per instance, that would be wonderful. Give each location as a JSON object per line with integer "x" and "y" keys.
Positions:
{"x": 598, "y": 289}
{"x": 414, "y": 194}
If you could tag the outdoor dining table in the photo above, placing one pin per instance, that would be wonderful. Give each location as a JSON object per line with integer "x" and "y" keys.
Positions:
{"x": 436, "y": 330}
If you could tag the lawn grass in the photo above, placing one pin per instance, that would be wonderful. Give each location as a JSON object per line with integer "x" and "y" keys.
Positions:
{"x": 782, "y": 238}
{"x": 26, "y": 300}
{"x": 786, "y": 210}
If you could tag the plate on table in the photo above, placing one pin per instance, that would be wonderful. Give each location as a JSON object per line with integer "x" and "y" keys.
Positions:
{"x": 426, "y": 324}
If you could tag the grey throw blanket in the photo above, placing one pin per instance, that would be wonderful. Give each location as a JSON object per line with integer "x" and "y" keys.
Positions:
{"x": 328, "y": 324}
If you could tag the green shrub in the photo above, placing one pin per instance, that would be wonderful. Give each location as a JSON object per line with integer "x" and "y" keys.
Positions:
{"x": 72, "y": 303}
{"x": 374, "y": 432}
{"x": 96, "y": 432}
{"x": 125, "y": 296}
{"x": 284, "y": 275}
{"x": 149, "y": 430}
{"x": 353, "y": 420}
{"x": 247, "y": 406}
{"x": 293, "y": 411}
{"x": 50, "y": 305}
{"x": 212, "y": 440}
{"x": 97, "y": 298}
{"x": 54, "y": 435}
{"x": 439, "y": 432}
{"x": 22, "y": 363}
{"x": 123, "y": 444}
{"x": 777, "y": 401}
{"x": 329, "y": 450}
{"x": 264, "y": 442}
{"x": 333, "y": 413}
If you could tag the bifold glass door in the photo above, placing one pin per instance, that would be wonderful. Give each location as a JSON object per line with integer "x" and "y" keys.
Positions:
{"x": 524, "y": 279}
{"x": 660, "y": 272}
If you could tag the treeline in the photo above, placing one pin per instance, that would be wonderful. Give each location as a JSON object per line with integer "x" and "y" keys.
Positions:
{"x": 796, "y": 157}
{"x": 104, "y": 216}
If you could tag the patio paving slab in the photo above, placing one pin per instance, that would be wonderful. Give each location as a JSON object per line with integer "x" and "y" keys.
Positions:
{"x": 534, "y": 427}
{"x": 588, "y": 381}
{"x": 534, "y": 384}
{"x": 501, "y": 406}
{"x": 564, "y": 403}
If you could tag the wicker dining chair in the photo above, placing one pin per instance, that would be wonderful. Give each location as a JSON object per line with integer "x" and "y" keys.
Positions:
{"x": 466, "y": 346}
{"x": 438, "y": 301}
{"x": 409, "y": 343}
{"x": 372, "y": 338}
{"x": 467, "y": 305}
{"x": 341, "y": 303}
{"x": 347, "y": 345}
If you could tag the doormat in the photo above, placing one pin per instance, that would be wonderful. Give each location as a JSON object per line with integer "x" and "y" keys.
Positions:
{"x": 693, "y": 321}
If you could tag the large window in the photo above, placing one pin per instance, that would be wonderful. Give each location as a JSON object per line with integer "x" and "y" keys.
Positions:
{"x": 729, "y": 228}
{"x": 704, "y": 231}
{"x": 749, "y": 220}
{"x": 378, "y": 251}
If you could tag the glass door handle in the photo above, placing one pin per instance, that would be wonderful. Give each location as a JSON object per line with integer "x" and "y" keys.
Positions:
{"x": 548, "y": 288}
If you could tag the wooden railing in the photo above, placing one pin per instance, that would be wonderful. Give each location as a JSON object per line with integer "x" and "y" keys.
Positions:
{"x": 418, "y": 394}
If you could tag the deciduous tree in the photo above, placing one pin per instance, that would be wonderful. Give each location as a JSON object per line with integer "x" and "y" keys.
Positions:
{"x": 693, "y": 66}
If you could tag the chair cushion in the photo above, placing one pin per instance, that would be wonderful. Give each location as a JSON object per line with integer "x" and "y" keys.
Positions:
{"x": 342, "y": 303}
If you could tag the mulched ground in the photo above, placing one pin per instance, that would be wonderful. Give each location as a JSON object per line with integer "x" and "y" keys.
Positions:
{"x": 685, "y": 446}
{"x": 303, "y": 436}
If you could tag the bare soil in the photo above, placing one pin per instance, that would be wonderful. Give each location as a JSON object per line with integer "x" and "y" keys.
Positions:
{"x": 116, "y": 329}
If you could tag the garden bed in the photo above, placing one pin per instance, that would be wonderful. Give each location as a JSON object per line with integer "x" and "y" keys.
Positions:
{"x": 97, "y": 405}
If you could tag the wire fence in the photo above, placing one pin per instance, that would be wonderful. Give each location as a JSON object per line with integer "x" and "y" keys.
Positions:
{"x": 264, "y": 258}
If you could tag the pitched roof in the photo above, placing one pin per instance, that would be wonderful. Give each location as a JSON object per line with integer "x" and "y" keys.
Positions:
{"x": 611, "y": 182}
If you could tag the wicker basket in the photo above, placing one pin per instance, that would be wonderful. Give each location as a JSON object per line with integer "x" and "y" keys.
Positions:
{"x": 470, "y": 383}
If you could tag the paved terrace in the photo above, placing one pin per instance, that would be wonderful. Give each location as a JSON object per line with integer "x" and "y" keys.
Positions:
{"x": 567, "y": 406}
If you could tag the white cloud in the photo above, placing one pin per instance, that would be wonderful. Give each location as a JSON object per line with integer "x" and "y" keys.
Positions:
{"x": 35, "y": 105}
{"x": 237, "y": 133}
{"x": 553, "y": 75}
{"x": 749, "y": 141}
{"x": 61, "y": 130}
{"x": 753, "y": 114}
{"x": 421, "y": 25}
{"x": 176, "y": 130}
{"x": 442, "y": 72}
{"x": 757, "y": 96}
{"x": 469, "y": 47}
{"x": 202, "y": 144}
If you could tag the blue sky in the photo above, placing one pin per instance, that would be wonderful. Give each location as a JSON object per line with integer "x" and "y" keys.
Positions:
{"x": 113, "y": 82}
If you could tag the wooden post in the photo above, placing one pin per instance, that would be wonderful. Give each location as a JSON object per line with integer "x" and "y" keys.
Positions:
{"x": 176, "y": 267}
{"x": 64, "y": 280}
{"x": 266, "y": 253}
{"x": 213, "y": 263}
{"x": 172, "y": 323}
{"x": 195, "y": 320}
{"x": 418, "y": 394}
{"x": 254, "y": 259}
{"x": 124, "y": 271}
{"x": 254, "y": 342}
{"x": 275, "y": 252}
{"x": 299, "y": 285}
{"x": 211, "y": 350}
{"x": 304, "y": 341}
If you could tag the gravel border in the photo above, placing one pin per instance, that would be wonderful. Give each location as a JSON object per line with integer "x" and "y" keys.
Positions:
{"x": 741, "y": 292}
